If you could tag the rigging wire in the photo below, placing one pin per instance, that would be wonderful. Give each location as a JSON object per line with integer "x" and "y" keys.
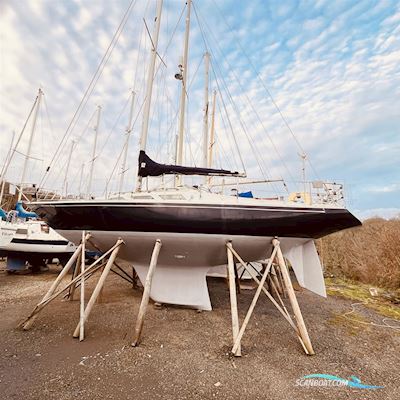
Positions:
{"x": 120, "y": 154}
{"x": 113, "y": 127}
{"x": 48, "y": 117}
{"x": 157, "y": 70}
{"x": 9, "y": 151}
{"x": 255, "y": 149}
{"x": 141, "y": 50}
{"x": 7, "y": 164}
{"x": 188, "y": 136}
{"x": 75, "y": 177}
{"x": 156, "y": 73}
{"x": 30, "y": 157}
{"x": 230, "y": 123}
{"x": 108, "y": 136}
{"x": 223, "y": 102}
{"x": 243, "y": 91}
{"x": 157, "y": 111}
{"x": 168, "y": 95}
{"x": 59, "y": 171}
{"x": 225, "y": 129}
{"x": 162, "y": 57}
{"x": 223, "y": 155}
{"x": 267, "y": 90}
{"x": 91, "y": 87}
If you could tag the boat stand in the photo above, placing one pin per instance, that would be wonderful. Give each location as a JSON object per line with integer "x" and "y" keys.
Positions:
{"x": 146, "y": 294}
{"x": 105, "y": 262}
{"x": 278, "y": 282}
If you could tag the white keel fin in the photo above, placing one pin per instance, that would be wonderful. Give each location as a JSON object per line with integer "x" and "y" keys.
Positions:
{"x": 178, "y": 285}
{"x": 307, "y": 267}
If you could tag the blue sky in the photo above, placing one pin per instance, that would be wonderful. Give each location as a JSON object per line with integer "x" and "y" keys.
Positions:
{"x": 333, "y": 67}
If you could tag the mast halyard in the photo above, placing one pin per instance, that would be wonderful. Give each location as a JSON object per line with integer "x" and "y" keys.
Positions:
{"x": 96, "y": 132}
{"x": 180, "y": 142}
{"x": 28, "y": 153}
{"x": 126, "y": 145}
{"x": 149, "y": 89}
{"x": 205, "y": 116}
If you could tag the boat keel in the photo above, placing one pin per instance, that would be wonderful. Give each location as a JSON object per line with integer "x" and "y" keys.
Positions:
{"x": 178, "y": 285}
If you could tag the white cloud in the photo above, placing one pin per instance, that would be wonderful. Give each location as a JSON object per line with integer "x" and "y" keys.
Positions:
{"x": 84, "y": 19}
{"x": 314, "y": 24}
{"x": 394, "y": 187}
{"x": 334, "y": 83}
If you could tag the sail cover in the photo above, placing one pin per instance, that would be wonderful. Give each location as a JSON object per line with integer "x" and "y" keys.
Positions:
{"x": 148, "y": 167}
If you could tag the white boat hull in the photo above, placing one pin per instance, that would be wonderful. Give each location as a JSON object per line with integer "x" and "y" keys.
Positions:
{"x": 185, "y": 259}
{"x": 38, "y": 248}
{"x": 33, "y": 242}
{"x": 7, "y": 232}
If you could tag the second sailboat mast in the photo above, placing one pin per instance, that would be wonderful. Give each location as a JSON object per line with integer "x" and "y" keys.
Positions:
{"x": 28, "y": 153}
{"x": 149, "y": 89}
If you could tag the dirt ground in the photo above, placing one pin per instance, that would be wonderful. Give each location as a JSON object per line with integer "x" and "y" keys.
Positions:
{"x": 185, "y": 354}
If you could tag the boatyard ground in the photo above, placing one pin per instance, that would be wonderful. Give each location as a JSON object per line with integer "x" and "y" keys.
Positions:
{"x": 185, "y": 354}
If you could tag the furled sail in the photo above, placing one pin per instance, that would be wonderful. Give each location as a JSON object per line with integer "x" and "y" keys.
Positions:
{"x": 148, "y": 167}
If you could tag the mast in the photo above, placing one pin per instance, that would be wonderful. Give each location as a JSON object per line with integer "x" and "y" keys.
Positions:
{"x": 81, "y": 179}
{"x": 303, "y": 157}
{"x": 28, "y": 153}
{"x": 205, "y": 116}
{"x": 212, "y": 134}
{"x": 149, "y": 89}
{"x": 65, "y": 185}
{"x": 96, "y": 132}
{"x": 128, "y": 132}
{"x": 179, "y": 159}
{"x": 3, "y": 178}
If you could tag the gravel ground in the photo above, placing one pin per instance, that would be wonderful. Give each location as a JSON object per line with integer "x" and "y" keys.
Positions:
{"x": 185, "y": 354}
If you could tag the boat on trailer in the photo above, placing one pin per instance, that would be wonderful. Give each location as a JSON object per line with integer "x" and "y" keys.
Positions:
{"x": 194, "y": 224}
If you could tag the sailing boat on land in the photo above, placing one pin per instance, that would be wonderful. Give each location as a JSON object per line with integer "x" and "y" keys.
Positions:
{"x": 32, "y": 240}
{"x": 194, "y": 223}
